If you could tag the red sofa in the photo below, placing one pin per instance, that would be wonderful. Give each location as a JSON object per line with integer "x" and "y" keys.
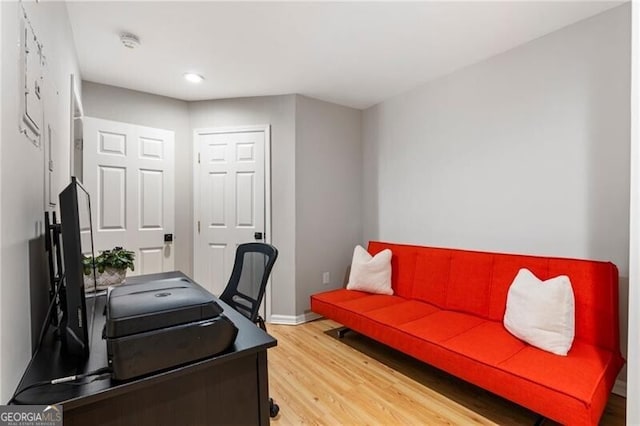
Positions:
{"x": 447, "y": 311}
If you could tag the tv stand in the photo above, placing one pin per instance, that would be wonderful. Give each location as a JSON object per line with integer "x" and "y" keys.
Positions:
{"x": 231, "y": 388}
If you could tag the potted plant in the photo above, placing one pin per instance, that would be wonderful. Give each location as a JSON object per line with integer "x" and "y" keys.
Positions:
{"x": 110, "y": 266}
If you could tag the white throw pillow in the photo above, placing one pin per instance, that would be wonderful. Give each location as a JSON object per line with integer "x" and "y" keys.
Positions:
{"x": 542, "y": 313}
{"x": 370, "y": 273}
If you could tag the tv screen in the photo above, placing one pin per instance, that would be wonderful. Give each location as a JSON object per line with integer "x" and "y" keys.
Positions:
{"x": 77, "y": 242}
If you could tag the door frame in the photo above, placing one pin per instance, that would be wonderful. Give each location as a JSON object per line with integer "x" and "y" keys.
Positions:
{"x": 266, "y": 129}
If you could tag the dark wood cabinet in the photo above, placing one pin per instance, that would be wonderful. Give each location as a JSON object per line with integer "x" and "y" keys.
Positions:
{"x": 230, "y": 388}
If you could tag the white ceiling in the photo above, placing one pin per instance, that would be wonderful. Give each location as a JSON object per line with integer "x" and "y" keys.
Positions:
{"x": 355, "y": 54}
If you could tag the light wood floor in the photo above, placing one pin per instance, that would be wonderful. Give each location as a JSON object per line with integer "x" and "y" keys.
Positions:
{"x": 318, "y": 379}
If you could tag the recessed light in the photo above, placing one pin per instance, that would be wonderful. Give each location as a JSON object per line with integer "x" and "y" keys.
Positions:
{"x": 193, "y": 77}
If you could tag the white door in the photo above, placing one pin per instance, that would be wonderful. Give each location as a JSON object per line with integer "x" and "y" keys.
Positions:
{"x": 229, "y": 201}
{"x": 128, "y": 171}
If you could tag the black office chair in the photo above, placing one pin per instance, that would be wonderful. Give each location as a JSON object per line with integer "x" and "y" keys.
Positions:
{"x": 246, "y": 287}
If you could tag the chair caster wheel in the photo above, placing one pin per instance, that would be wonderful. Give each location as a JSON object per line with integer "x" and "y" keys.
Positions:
{"x": 274, "y": 409}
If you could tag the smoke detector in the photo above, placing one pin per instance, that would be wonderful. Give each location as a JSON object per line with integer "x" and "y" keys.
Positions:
{"x": 130, "y": 41}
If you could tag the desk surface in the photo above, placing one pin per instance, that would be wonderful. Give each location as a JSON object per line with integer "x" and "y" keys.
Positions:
{"x": 50, "y": 363}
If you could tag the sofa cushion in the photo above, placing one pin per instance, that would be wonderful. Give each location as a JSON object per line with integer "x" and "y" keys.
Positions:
{"x": 347, "y": 306}
{"x": 576, "y": 375}
{"x": 488, "y": 343}
{"x": 403, "y": 264}
{"x": 596, "y": 300}
{"x": 441, "y": 325}
{"x": 542, "y": 313}
{"x": 340, "y": 295}
{"x": 401, "y": 313}
{"x": 470, "y": 282}
{"x": 370, "y": 273}
{"x": 328, "y": 303}
{"x": 505, "y": 268}
{"x": 432, "y": 276}
{"x": 369, "y": 303}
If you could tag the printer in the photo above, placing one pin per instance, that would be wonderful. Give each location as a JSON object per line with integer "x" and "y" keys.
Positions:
{"x": 158, "y": 324}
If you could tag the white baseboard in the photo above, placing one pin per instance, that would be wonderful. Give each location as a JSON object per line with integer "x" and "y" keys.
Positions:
{"x": 294, "y": 320}
{"x": 620, "y": 388}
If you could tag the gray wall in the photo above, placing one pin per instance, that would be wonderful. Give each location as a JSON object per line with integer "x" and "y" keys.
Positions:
{"x": 525, "y": 152}
{"x": 279, "y": 112}
{"x": 2, "y": 375}
{"x": 144, "y": 109}
{"x": 316, "y": 177}
{"x": 328, "y": 194}
{"x": 633, "y": 351}
{"x": 23, "y": 279}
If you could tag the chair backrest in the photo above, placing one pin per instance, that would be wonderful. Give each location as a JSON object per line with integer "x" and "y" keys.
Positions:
{"x": 251, "y": 269}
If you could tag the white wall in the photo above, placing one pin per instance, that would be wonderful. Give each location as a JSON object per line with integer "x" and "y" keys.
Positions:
{"x": 279, "y": 112}
{"x": 144, "y": 109}
{"x": 328, "y": 194}
{"x": 22, "y": 176}
{"x": 526, "y": 152}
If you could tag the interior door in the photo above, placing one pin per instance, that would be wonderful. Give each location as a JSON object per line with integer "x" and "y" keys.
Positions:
{"x": 229, "y": 200}
{"x": 128, "y": 171}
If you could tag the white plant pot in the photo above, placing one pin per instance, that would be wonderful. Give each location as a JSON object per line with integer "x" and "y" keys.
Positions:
{"x": 110, "y": 277}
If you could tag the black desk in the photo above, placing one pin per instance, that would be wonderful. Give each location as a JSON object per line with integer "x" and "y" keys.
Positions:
{"x": 231, "y": 388}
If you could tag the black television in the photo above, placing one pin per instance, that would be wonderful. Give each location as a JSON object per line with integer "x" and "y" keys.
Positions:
{"x": 77, "y": 242}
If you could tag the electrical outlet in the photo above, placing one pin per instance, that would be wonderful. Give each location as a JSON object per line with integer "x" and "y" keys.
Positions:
{"x": 326, "y": 278}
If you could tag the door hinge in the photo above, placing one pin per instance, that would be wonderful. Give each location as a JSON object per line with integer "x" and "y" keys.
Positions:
{"x": 198, "y": 227}
{"x": 198, "y": 158}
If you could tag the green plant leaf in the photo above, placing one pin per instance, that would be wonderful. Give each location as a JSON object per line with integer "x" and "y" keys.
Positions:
{"x": 117, "y": 258}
